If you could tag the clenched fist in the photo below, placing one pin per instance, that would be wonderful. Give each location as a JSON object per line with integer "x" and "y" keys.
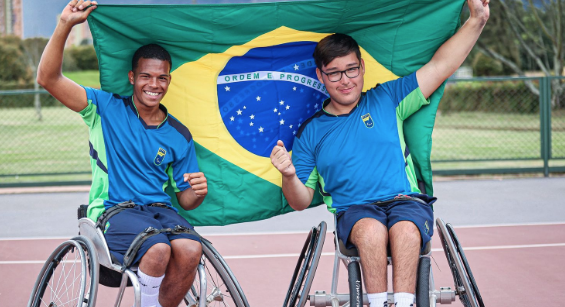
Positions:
{"x": 198, "y": 183}
{"x": 281, "y": 160}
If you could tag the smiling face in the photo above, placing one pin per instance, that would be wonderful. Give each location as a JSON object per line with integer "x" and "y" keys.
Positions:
{"x": 345, "y": 93}
{"x": 150, "y": 79}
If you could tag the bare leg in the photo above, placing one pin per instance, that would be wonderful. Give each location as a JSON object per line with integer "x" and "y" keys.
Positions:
{"x": 405, "y": 244}
{"x": 180, "y": 272}
{"x": 370, "y": 237}
{"x": 154, "y": 262}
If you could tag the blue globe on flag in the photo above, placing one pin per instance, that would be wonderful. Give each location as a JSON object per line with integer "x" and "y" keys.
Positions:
{"x": 266, "y": 95}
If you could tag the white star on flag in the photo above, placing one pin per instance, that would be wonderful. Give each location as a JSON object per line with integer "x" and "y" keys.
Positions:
{"x": 252, "y": 116}
{"x": 287, "y": 107}
{"x": 258, "y": 98}
{"x": 244, "y": 107}
{"x": 275, "y": 110}
{"x": 293, "y": 132}
{"x": 251, "y": 124}
{"x": 294, "y": 88}
{"x": 232, "y": 118}
{"x": 281, "y": 121}
{"x": 260, "y": 129}
{"x": 290, "y": 126}
{"x": 239, "y": 112}
{"x": 227, "y": 88}
{"x": 281, "y": 102}
{"x": 296, "y": 67}
{"x": 316, "y": 105}
{"x": 279, "y": 113}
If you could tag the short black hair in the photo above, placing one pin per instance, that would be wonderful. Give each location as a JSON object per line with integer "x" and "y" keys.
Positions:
{"x": 335, "y": 46}
{"x": 151, "y": 51}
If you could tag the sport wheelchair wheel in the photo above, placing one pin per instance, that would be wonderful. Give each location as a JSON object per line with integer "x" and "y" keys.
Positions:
{"x": 305, "y": 270}
{"x": 222, "y": 288}
{"x": 69, "y": 277}
{"x": 465, "y": 284}
{"x": 423, "y": 282}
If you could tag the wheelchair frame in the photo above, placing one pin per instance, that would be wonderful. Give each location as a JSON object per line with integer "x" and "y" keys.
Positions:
{"x": 426, "y": 294}
{"x": 58, "y": 284}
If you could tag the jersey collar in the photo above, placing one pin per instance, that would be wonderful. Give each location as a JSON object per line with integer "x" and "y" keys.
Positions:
{"x": 161, "y": 107}
{"x": 327, "y": 102}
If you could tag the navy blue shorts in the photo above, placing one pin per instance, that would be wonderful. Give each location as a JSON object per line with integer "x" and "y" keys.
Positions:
{"x": 123, "y": 227}
{"x": 416, "y": 212}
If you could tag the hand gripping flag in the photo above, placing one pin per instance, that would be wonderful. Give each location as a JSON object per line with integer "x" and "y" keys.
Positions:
{"x": 243, "y": 77}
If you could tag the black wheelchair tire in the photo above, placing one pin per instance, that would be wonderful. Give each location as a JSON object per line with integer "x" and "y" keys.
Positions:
{"x": 305, "y": 269}
{"x": 463, "y": 288}
{"x": 423, "y": 282}
{"x": 355, "y": 284}
{"x": 223, "y": 289}
{"x": 461, "y": 253}
{"x": 83, "y": 252}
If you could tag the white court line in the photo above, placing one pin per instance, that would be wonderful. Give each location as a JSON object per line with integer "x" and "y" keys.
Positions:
{"x": 509, "y": 225}
{"x": 34, "y": 238}
{"x": 299, "y": 232}
{"x": 262, "y": 256}
{"x": 433, "y": 250}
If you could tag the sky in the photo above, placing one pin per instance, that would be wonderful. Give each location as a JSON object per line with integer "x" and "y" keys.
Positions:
{"x": 40, "y": 16}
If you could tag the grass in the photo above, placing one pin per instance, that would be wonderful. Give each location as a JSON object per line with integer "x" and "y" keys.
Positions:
{"x": 59, "y": 143}
{"x": 478, "y": 135}
{"x": 89, "y": 78}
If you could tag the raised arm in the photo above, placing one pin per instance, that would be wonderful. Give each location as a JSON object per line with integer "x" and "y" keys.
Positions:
{"x": 453, "y": 52}
{"x": 296, "y": 193}
{"x": 49, "y": 74}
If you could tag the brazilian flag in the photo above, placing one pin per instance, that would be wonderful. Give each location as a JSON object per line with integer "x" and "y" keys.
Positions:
{"x": 243, "y": 77}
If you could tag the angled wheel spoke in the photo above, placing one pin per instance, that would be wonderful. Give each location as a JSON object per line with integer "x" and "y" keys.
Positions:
{"x": 222, "y": 288}
{"x": 68, "y": 276}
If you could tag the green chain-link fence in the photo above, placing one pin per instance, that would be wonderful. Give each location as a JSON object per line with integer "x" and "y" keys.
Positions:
{"x": 41, "y": 141}
{"x": 495, "y": 125}
{"x": 500, "y": 125}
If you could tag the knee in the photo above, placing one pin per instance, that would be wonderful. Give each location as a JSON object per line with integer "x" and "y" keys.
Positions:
{"x": 187, "y": 251}
{"x": 368, "y": 232}
{"x": 157, "y": 256}
{"x": 406, "y": 230}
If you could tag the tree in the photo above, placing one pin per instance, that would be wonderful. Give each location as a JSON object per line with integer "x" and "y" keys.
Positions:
{"x": 85, "y": 57}
{"x": 537, "y": 33}
{"x": 13, "y": 67}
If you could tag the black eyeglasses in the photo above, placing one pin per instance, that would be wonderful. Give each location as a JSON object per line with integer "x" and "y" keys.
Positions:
{"x": 335, "y": 76}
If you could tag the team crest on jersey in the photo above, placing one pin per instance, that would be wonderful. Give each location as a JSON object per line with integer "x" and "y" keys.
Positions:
{"x": 367, "y": 120}
{"x": 160, "y": 156}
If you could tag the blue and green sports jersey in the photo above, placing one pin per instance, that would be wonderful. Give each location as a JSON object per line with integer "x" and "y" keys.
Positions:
{"x": 131, "y": 160}
{"x": 361, "y": 157}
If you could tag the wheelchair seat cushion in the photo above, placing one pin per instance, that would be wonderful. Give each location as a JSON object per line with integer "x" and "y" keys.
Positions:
{"x": 417, "y": 212}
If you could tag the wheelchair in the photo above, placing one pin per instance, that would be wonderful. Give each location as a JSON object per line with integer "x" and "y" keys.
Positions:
{"x": 425, "y": 295}
{"x": 71, "y": 274}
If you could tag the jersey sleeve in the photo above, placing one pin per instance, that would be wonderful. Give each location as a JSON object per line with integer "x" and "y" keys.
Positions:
{"x": 186, "y": 163}
{"x": 406, "y": 95}
{"x": 304, "y": 161}
{"x": 97, "y": 102}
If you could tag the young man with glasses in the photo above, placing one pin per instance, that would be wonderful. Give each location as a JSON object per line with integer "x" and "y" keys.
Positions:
{"x": 354, "y": 149}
